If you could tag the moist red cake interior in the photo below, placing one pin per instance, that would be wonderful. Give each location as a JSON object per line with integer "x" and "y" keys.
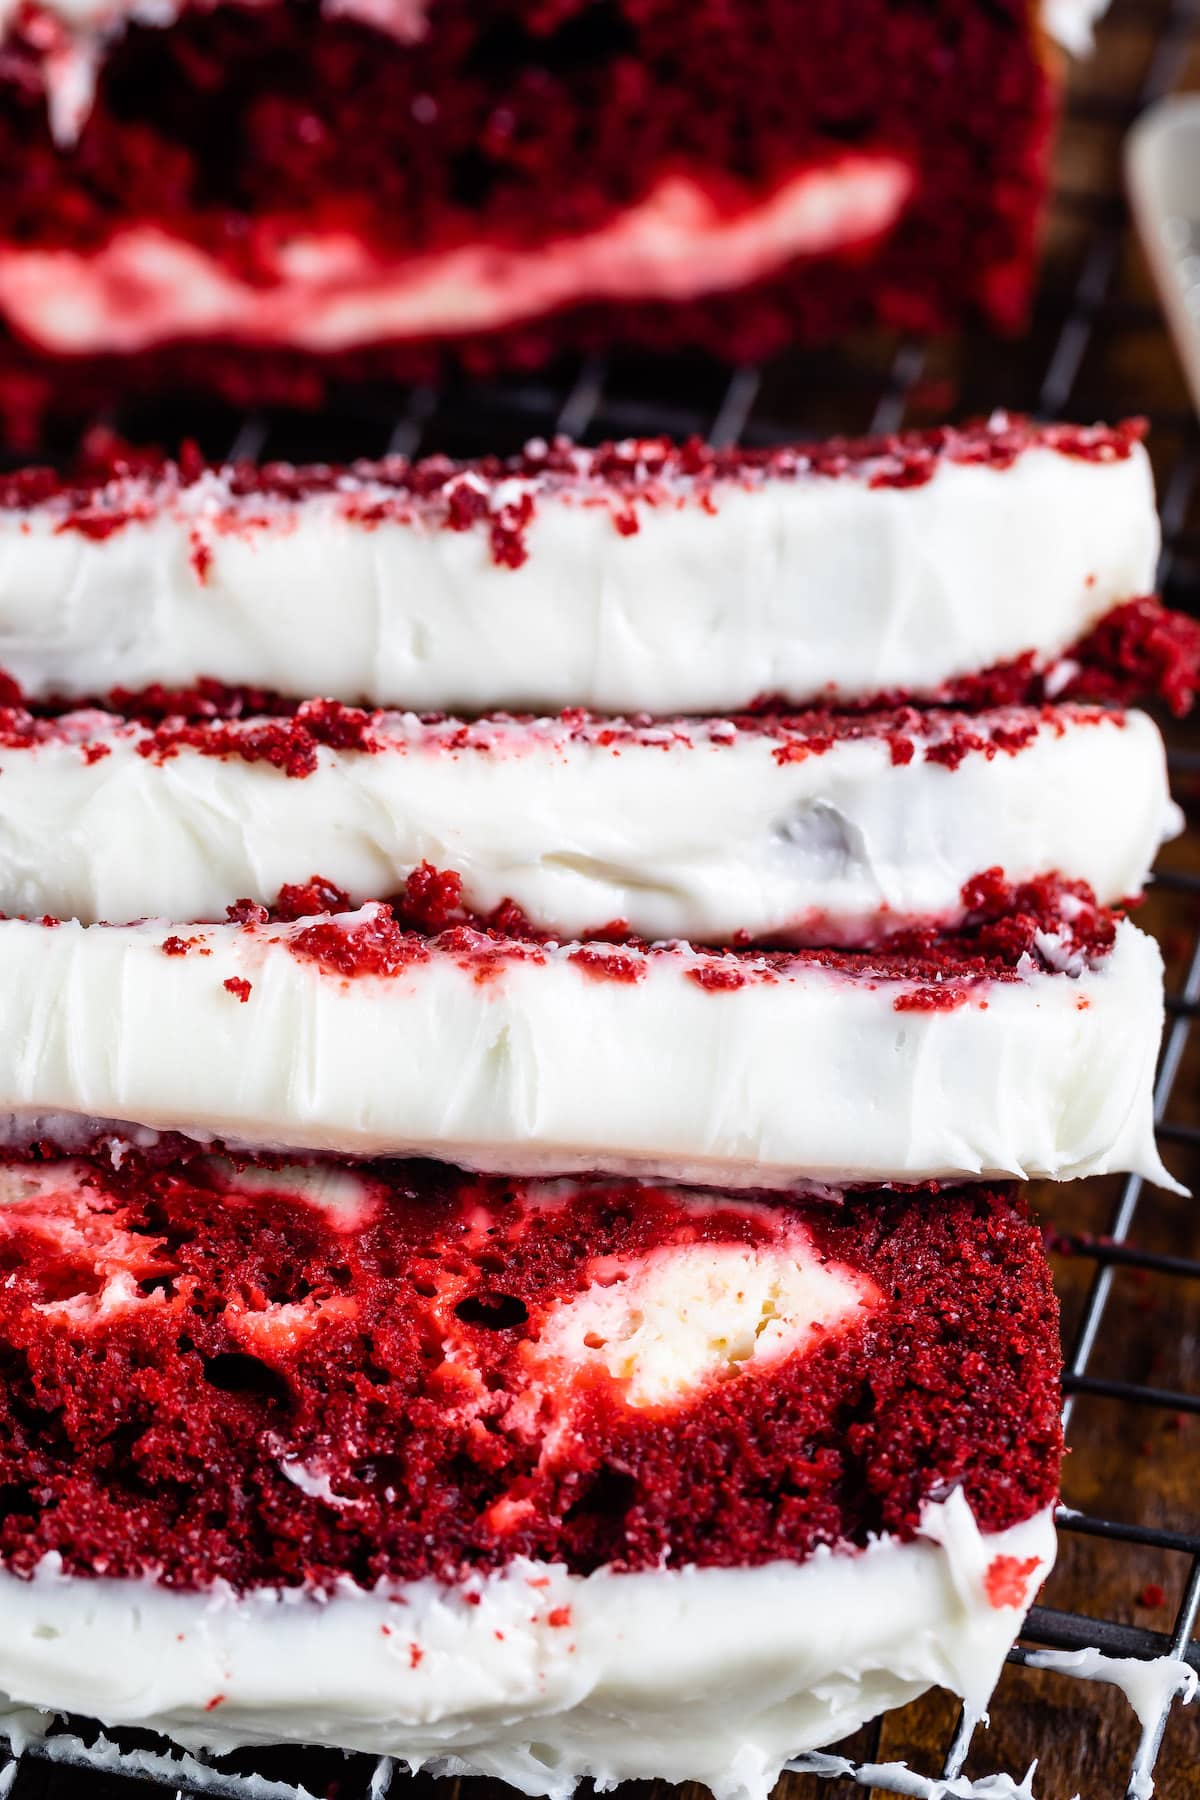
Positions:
{"x": 168, "y": 1343}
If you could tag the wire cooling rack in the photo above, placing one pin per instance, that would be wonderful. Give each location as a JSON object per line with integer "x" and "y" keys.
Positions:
{"x": 1121, "y": 1610}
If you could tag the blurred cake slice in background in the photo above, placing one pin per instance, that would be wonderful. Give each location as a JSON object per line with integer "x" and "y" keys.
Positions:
{"x": 258, "y": 197}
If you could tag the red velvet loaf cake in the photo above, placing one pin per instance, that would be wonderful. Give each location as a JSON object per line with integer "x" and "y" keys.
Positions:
{"x": 721, "y": 853}
{"x": 258, "y": 197}
{"x": 536, "y": 1478}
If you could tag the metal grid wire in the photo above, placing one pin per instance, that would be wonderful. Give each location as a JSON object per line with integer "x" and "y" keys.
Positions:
{"x": 1096, "y": 348}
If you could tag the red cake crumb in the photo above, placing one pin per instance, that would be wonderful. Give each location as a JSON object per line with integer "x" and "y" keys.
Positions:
{"x": 941, "y": 997}
{"x": 607, "y": 965}
{"x": 1007, "y": 1579}
{"x": 376, "y": 945}
{"x": 249, "y": 912}
{"x": 172, "y": 1343}
{"x": 316, "y": 895}
{"x": 238, "y": 987}
{"x": 288, "y": 744}
{"x": 719, "y": 977}
{"x": 432, "y": 898}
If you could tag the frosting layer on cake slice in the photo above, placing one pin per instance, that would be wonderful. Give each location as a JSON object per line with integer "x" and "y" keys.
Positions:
{"x": 541, "y": 1678}
{"x": 543, "y": 1480}
{"x": 637, "y": 577}
{"x": 1025, "y": 1046}
{"x": 821, "y": 828}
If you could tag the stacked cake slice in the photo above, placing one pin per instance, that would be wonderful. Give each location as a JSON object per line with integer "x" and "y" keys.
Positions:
{"x": 697, "y": 1397}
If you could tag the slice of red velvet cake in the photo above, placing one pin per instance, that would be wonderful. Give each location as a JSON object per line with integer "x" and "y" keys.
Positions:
{"x": 258, "y": 197}
{"x": 1022, "y": 1043}
{"x": 538, "y": 1479}
{"x": 1001, "y": 562}
{"x": 818, "y": 828}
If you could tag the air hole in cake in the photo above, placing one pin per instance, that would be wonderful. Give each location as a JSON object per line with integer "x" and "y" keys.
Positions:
{"x": 158, "y": 1284}
{"x": 236, "y": 1373}
{"x": 498, "y": 1312}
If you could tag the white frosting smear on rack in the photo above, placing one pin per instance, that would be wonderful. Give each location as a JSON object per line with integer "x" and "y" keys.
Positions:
{"x": 696, "y": 829}
{"x": 712, "y": 1675}
{"x": 1149, "y": 1685}
{"x": 802, "y": 585}
{"x": 668, "y": 1064}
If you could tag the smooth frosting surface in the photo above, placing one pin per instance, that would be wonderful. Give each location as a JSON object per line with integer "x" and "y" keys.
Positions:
{"x": 806, "y": 587}
{"x": 712, "y": 1675}
{"x": 696, "y": 829}
{"x": 540, "y": 1061}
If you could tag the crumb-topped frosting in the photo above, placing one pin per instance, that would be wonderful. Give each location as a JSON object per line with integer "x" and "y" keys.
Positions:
{"x": 638, "y": 577}
{"x": 120, "y": 487}
{"x": 1024, "y": 1044}
{"x": 822, "y": 828}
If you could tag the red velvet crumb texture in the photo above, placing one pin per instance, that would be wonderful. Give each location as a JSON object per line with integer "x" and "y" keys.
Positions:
{"x": 171, "y": 1345}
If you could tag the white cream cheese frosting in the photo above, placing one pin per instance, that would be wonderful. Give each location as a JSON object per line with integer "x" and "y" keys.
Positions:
{"x": 696, "y": 829}
{"x": 538, "y": 1061}
{"x": 713, "y": 593}
{"x": 711, "y": 1675}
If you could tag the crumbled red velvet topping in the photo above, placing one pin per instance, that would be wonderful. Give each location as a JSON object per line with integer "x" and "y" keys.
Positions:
{"x": 648, "y": 473}
{"x": 1005, "y": 929}
{"x": 501, "y": 495}
{"x": 1007, "y": 1578}
{"x": 170, "y": 1345}
{"x": 290, "y": 743}
{"x": 637, "y": 468}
